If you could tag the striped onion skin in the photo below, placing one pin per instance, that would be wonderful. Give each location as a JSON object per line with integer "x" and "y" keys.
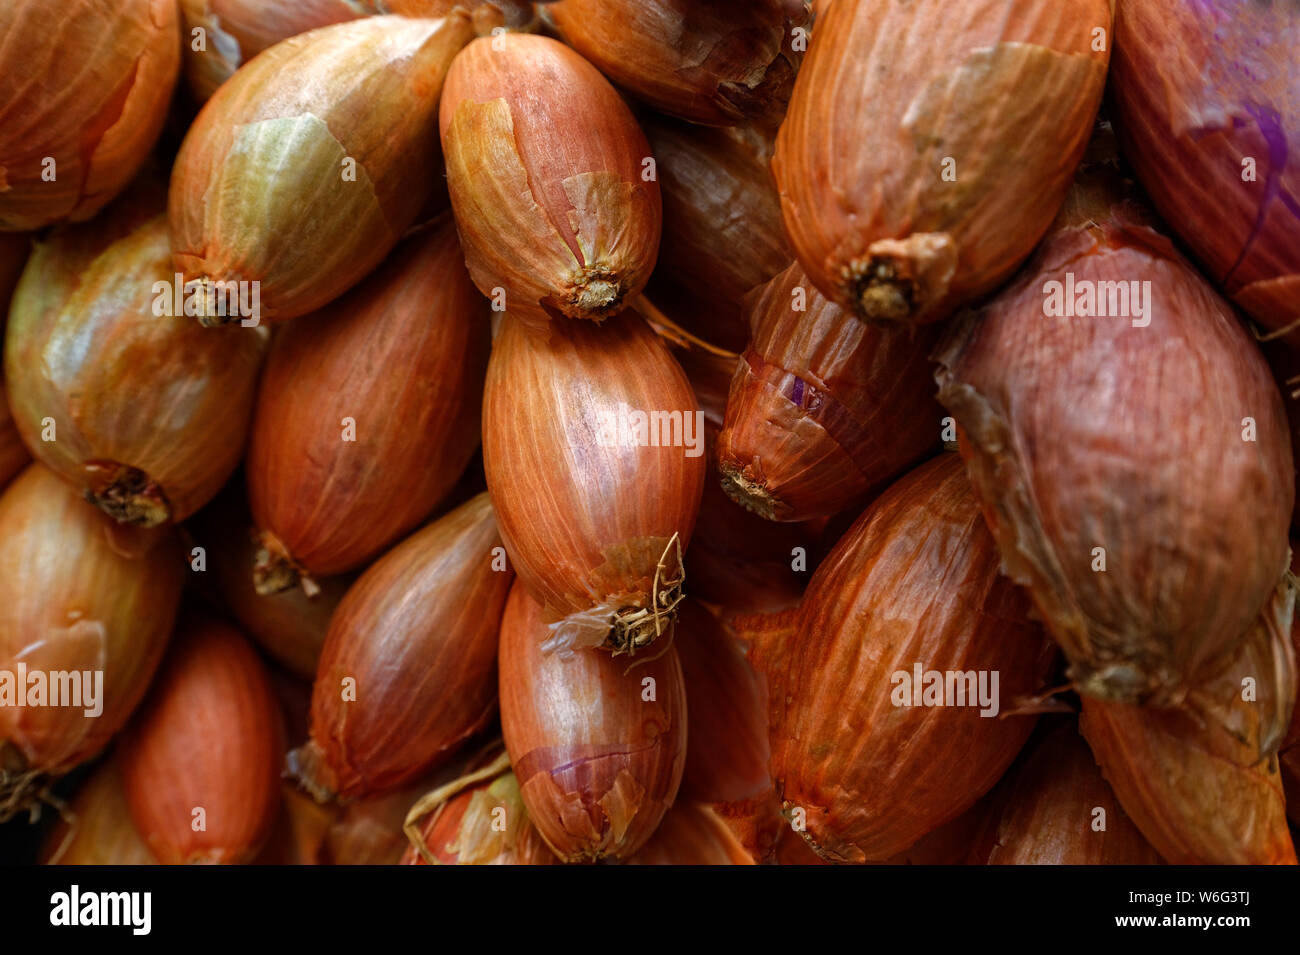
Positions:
{"x": 692, "y": 834}
{"x": 417, "y": 638}
{"x": 823, "y": 407}
{"x": 1207, "y": 107}
{"x": 914, "y": 581}
{"x": 548, "y": 175}
{"x": 587, "y": 516}
{"x": 87, "y": 85}
{"x": 307, "y": 166}
{"x": 966, "y": 123}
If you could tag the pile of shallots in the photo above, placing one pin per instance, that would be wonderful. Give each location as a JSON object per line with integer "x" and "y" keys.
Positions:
{"x": 649, "y": 431}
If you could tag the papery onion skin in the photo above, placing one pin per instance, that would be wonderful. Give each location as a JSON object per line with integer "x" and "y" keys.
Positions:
{"x": 1199, "y": 89}
{"x": 466, "y": 831}
{"x": 1045, "y": 812}
{"x": 719, "y": 63}
{"x": 14, "y": 250}
{"x": 727, "y": 749}
{"x": 722, "y": 232}
{"x": 346, "y": 454}
{"x": 98, "y": 829}
{"x": 587, "y": 519}
{"x": 915, "y": 581}
{"x": 262, "y": 189}
{"x": 1160, "y": 448}
{"x": 213, "y": 712}
{"x": 415, "y": 638}
{"x": 598, "y": 763}
{"x": 89, "y": 89}
{"x": 823, "y": 407}
{"x": 976, "y": 116}
{"x": 289, "y": 626}
{"x": 1201, "y": 780}
{"x": 150, "y": 411}
{"x": 546, "y": 169}
{"x": 692, "y": 834}
{"x": 78, "y": 594}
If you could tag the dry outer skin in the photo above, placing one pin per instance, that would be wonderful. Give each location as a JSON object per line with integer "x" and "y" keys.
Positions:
{"x": 486, "y": 825}
{"x": 597, "y": 749}
{"x": 98, "y": 829}
{"x": 128, "y": 389}
{"x": 914, "y": 581}
{"x": 1054, "y": 808}
{"x": 77, "y": 593}
{"x": 214, "y": 713}
{"x": 261, "y": 190}
{"x": 1200, "y": 89}
{"x": 88, "y": 88}
{"x": 823, "y": 406}
{"x": 416, "y": 637}
{"x": 586, "y": 517}
{"x": 545, "y": 170}
{"x": 723, "y": 235}
{"x": 401, "y": 356}
{"x": 718, "y": 63}
{"x": 1201, "y": 781}
{"x": 1085, "y": 433}
{"x": 1005, "y": 89}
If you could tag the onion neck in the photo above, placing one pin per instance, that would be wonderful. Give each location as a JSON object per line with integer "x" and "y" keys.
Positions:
{"x": 126, "y": 494}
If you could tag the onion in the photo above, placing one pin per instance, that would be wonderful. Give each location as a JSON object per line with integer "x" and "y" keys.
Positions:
{"x": 76, "y": 597}
{"x": 212, "y": 712}
{"x": 823, "y": 407}
{"x": 1207, "y": 105}
{"x": 408, "y": 672}
{"x": 1152, "y": 448}
{"x": 1054, "y": 808}
{"x": 975, "y": 119}
{"x": 84, "y": 91}
{"x": 718, "y": 63}
{"x": 97, "y": 828}
{"x": 594, "y": 523}
{"x": 147, "y": 413}
{"x": 546, "y": 169}
{"x": 722, "y": 233}
{"x": 1201, "y": 780}
{"x": 597, "y": 745}
{"x": 484, "y": 825}
{"x": 346, "y": 456}
{"x": 863, "y": 758}
{"x": 692, "y": 835}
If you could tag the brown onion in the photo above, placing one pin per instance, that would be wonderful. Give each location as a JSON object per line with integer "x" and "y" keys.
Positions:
{"x": 823, "y": 407}
{"x": 594, "y": 523}
{"x": 975, "y": 119}
{"x": 597, "y": 744}
{"x": 548, "y": 175}
{"x": 913, "y": 585}
{"x": 727, "y": 749}
{"x": 200, "y": 763}
{"x": 1289, "y": 765}
{"x": 692, "y": 834}
{"x": 485, "y": 825}
{"x": 408, "y": 671}
{"x": 84, "y": 91}
{"x": 722, "y": 234}
{"x": 304, "y": 170}
{"x": 289, "y": 626}
{"x": 718, "y": 63}
{"x": 1054, "y": 808}
{"x": 1135, "y": 469}
{"x": 109, "y": 386}
{"x": 97, "y": 828}
{"x": 77, "y": 595}
{"x": 1201, "y": 780}
{"x": 345, "y": 456}
{"x": 1206, "y": 98}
